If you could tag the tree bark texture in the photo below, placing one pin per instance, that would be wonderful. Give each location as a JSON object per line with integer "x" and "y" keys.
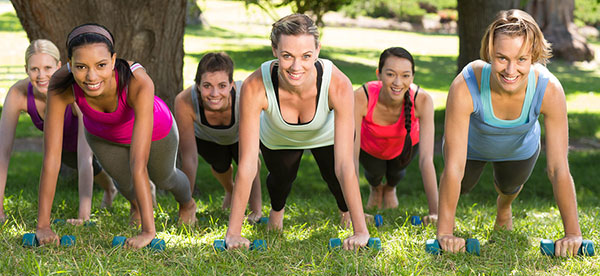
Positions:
{"x": 147, "y": 31}
{"x": 473, "y": 18}
{"x": 555, "y": 18}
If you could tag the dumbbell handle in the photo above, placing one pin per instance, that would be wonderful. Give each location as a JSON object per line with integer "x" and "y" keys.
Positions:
{"x": 258, "y": 245}
{"x": 373, "y": 243}
{"x": 433, "y": 246}
{"x": 586, "y": 248}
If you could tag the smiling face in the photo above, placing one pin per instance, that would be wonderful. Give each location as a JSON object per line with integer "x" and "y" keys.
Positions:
{"x": 511, "y": 62}
{"x": 215, "y": 90}
{"x": 92, "y": 66}
{"x": 297, "y": 55}
{"x": 396, "y": 77}
{"x": 40, "y": 68}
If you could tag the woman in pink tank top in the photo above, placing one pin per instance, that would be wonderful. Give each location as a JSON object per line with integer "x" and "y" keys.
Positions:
{"x": 394, "y": 122}
{"x": 129, "y": 129}
{"x": 42, "y": 59}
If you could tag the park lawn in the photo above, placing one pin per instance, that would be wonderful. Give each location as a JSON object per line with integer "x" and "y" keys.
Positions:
{"x": 311, "y": 214}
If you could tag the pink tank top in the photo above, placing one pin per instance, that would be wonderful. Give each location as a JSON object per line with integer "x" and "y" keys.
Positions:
{"x": 117, "y": 126}
{"x": 385, "y": 142}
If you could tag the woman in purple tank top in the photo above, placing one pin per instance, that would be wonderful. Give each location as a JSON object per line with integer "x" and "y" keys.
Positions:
{"x": 129, "y": 129}
{"x": 42, "y": 59}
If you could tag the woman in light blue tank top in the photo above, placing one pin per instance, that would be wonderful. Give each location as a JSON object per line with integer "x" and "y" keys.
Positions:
{"x": 492, "y": 116}
{"x": 294, "y": 103}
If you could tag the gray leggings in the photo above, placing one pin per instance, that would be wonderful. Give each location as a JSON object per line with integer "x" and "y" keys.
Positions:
{"x": 114, "y": 158}
{"x": 509, "y": 176}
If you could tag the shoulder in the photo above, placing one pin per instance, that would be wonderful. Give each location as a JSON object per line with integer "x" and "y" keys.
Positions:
{"x": 360, "y": 99}
{"x": 554, "y": 94}
{"x": 20, "y": 87}
{"x": 340, "y": 83}
{"x": 254, "y": 83}
{"x": 17, "y": 95}
{"x": 184, "y": 97}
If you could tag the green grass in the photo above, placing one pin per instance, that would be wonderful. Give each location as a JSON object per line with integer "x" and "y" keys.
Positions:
{"x": 311, "y": 214}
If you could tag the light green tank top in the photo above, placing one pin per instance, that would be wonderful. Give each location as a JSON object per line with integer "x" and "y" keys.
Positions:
{"x": 276, "y": 133}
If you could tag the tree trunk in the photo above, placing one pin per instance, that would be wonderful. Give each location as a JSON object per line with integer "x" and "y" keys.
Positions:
{"x": 555, "y": 18}
{"x": 473, "y": 18}
{"x": 147, "y": 31}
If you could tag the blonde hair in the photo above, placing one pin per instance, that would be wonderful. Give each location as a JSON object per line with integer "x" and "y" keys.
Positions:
{"x": 294, "y": 24}
{"x": 516, "y": 23}
{"x": 42, "y": 46}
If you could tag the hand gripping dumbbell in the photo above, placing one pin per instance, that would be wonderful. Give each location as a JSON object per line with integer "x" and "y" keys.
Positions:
{"x": 433, "y": 247}
{"x": 256, "y": 245}
{"x": 155, "y": 244}
{"x": 586, "y": 248}
{"x": 30, "y": 240}
{"x": 373, "y": 243}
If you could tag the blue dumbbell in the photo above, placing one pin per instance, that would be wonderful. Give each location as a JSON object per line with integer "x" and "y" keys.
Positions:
{"x": 262, "y": 220}
{"x": 586, "y": 248}
{"x": 155, "y": 244}
{"x": 433, "y": 247}
{"x": 415, "y": 220}
{"x": 378, "y": 220}
{"x": 30, "y": 240}
{"x": 256, "y": 245}
{"x": 373, "y": 243}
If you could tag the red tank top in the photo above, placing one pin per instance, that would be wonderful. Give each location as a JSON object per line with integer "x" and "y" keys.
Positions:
{"x": 385, "y": 142}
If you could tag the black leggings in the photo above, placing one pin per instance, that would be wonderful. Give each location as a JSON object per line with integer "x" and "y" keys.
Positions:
{"x": 218, "y": 156}
{"x": 509, "y": 176}
{"x": 283, "y": 168}
{"x": 393, "y": 170}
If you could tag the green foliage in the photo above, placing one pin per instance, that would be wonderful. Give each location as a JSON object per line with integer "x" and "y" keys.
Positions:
{"x": 588, "y": 12}
{"x": 402, "y": 10}
{"x": 316, "y": 7}
{"x": 9, "y": 22}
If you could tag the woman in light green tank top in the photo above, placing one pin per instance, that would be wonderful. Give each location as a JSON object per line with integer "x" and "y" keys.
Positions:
{"x": 295, "y": 44}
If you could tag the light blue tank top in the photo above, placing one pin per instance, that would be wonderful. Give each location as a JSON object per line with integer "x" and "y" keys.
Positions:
{"x": 276, "y": 133}
{"x": 493, "y": 139}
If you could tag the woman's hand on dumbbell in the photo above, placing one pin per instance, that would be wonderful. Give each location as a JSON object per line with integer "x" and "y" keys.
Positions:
{"x": 140, "y": 240}
{"x": 46, "y": 236}
{"x": 431, "y": 218}
{"x": 568, "y": 246}
{"x": 356, "y": 241}
{"x": 450, "y": 243}
{"x": 237, "y": 242}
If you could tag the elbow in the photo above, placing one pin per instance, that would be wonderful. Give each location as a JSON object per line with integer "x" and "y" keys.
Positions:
{"x": 556, "y": 174}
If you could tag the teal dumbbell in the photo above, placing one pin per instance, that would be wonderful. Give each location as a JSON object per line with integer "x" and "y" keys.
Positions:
{"x": 262, "y": 221}
{"x": 378, "y": 220}
{"x": 433, "y": 247}
{"x": 155, "y": 244}
{"x": 415, "y": 220}
{"x": 256, "y": 245}
{"x": 586, "y": 248}
{"x": 30, "y": 240}
{"x": 373, "y": 243}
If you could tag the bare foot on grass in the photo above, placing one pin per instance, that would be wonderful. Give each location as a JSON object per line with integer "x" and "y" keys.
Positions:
{"x": 187, "y": 212}
{"x": 140, "y": 240}
{"x": 108, "y": 197}
{"x": 390, "y": 200}
{"x": 375, "y": 197}
{"x": 226, "y": 201}
{"x": 275, "y": 220}
{"x": 503, "y": 218}
{"x": 135, "y": 219}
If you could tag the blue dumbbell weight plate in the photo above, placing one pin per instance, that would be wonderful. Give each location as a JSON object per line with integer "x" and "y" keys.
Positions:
{"x": 29, "y": 240}
{"x": 378, "y": 220}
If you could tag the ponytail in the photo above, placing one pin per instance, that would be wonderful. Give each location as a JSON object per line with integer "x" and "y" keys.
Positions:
{"x": 406, "y": 155}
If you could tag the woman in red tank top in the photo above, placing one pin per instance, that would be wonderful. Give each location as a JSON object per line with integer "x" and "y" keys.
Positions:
{"x": 394, "y": 122}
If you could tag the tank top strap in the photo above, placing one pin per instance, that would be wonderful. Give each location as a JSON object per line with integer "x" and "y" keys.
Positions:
{"x": 473, "y": 85}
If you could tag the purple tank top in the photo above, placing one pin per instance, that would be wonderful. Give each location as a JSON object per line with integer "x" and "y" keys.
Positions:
{"x": 70, "y": 126}
{"x": 117, "y": 126}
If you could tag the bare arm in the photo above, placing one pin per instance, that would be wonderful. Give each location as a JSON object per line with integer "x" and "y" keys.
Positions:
{"x": 456, "y": 130}
{"x": 84, "y": 169}
{"x": 53, "y": 136}
{"x": 425, "y": 113}
{"x": 184, "y": 115}
{"x": 15, "y": 102}
{"x": 554, "y": 110}
{"x": 340, "y": 98}
{"x": 141, "y": 99}
{"x": 252, "y": 101}
{"x": 360, "y": 111}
